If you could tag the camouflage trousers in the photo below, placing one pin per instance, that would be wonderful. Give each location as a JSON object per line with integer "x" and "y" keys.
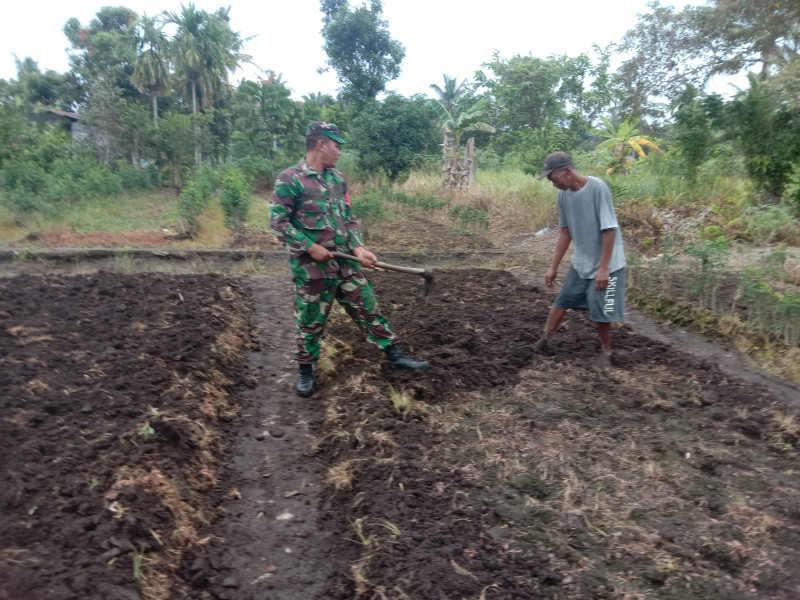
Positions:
{"x": 313, "y": 301}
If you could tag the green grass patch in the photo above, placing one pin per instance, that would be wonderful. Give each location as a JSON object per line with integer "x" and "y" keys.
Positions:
{"x": 126, "y": 212}
{"x": 258, "y": 214}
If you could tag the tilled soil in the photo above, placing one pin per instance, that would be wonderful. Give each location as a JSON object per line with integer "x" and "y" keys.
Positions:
{"x": 498, "y": 474}
{"x": 113, "y": 389}
{"x": 517, "y": 475}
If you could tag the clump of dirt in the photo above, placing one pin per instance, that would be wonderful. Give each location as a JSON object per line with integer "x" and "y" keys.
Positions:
{"x": 112, "y": 390}
{"x": 477, "y": 329}
{"x": 515, "y": 475}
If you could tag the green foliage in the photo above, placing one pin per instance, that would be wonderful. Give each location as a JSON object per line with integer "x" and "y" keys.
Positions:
{"x": 313, "y": 106}
{"x": 425, "y": 203}
{"x": 360, "y": 49}
{"x": 49, "y": 88}
{"x": 235, "y": 199}
{"x": 525, "y": 150}
{"x": 460, "y": 123}
{"x": 770, "y": 224}
{"x": 206, "y": 181}
{"x": 710, "y": 256}
{"x": 767, "y": 132}
{"x": 105, "y": 50}
{"x": 268, "y": 122}
{"x": 692, "y": 131}
{"x": 179, "y": 134}
{"x": 451, "y": 93}
{"x": 772, "y": 311}
{"x": 204, "y": 50}
{"x": 669, "y": 48}
{"x": 394, "y": 135}
{"x": 194, "y": 199}
{"x": 369, "y": 207}
{"x": 370, "y": 203}
{"x": 624, "y": 142}
{"x": 468, "y": 218}
{"x": 531, "y": 93}
{"x": 190, "y": 206}
{"x": 133, "y": 178}
{"x": 335, "y": 113}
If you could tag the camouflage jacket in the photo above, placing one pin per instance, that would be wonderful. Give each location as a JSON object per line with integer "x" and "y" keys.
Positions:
{"x": 310, "y": 207}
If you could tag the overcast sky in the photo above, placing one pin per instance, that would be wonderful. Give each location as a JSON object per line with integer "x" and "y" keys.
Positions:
{"x": 440, "y": 36}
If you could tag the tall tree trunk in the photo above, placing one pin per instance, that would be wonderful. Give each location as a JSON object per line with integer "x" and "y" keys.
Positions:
{"x": 447, "y": 150}
{"x": 468, "y": 166}
{"x": 196, "y": 132}
{"x": 135, "y": 156}
{"x": 155, "y": 111}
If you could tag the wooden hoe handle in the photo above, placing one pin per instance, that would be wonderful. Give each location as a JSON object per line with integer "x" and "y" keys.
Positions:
{"x": 381, "y": 265}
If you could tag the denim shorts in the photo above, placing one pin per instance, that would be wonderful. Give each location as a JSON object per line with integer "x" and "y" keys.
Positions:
{"x": 605, "y": 306}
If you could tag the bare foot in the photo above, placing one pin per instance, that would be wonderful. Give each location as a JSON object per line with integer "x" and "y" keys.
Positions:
{"x": 542, "y": 346}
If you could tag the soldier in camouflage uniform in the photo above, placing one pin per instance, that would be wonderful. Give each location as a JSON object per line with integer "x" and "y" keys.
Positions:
{"x": 310, "y": 213}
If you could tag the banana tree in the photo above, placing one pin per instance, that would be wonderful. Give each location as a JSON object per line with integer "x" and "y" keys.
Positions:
{"x": 622, "y": 141}
{"x": 454, "y": 127}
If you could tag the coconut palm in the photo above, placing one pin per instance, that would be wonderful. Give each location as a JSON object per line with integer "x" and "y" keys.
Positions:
{"x": 454, "y": 127}
{"x": 623, "y": 141}
{"x": 451, "y": 92}
{"x": 205, "y": 48}
{"x": 151, "y": 74}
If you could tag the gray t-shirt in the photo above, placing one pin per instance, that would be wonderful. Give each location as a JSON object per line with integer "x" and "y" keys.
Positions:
{"x": 587, "y": 213}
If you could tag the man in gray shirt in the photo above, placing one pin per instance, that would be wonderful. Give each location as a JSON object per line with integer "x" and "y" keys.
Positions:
{"x": 595, "y": 280}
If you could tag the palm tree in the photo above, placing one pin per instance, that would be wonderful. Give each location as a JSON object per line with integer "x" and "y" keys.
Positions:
{"x": 622, "y": 141}
{"x": 151, "y": 74}
{"x": 454, "y": 127}
{"x": 451, "y": 92}
{"x": 205, "y": 48}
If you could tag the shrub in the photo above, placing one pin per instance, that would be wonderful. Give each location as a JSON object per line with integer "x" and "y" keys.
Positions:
{"x": 190, "y": 206}
{"x": 25, "y": 176}
{"x": 467, "y": 217}
{"x": 206, "y": 183}
{"x": 102, "y": 182}
{"x": 133, "y": 178}
{"x": 369, "y": 207}
{"x": 369, "y": 204}
{"x": 235, "y": 199}
{"x": 769, "y": 224}
{"x": 258, "y": 169}
{"x": 425, "y": 203}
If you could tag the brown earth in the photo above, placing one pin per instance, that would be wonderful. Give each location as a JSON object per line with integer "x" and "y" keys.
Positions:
{"x": 498, "y": 474}
{"x": 526, "y": 476}
{"x": 413, "y": 232}
{"x": 59, "y": 238}
{"x": 113, "y": 389}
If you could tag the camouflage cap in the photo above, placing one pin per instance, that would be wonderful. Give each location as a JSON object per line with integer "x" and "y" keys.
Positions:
{"x": 327, "y": 129}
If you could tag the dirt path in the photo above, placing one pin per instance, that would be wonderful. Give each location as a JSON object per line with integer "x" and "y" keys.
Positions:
{"x": 268, "y": 544}
{"x": 696, "y": 344}
{"x": 728, "y": 361}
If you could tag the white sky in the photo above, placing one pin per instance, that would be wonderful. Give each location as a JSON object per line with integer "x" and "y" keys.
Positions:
{"x": 440, "y": 36}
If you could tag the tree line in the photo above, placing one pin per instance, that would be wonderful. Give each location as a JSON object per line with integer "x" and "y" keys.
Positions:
{"x": 155, "y": 101}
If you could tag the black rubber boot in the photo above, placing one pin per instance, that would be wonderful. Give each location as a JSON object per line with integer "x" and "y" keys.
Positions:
{"x": 305, "y": 381}
{"x": 398, "y": 360}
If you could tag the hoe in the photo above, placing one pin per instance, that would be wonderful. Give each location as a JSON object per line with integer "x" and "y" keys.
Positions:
{"x": 425, "y": 274}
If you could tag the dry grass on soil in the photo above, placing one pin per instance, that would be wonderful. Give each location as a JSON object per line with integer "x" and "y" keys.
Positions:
{"x": 660, "y": 478}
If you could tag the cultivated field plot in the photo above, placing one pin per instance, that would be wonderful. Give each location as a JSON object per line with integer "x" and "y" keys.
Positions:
{"x": 512, "y": 475}
{"x": 498, "y": 474}
{"x": 112, "y": 390}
